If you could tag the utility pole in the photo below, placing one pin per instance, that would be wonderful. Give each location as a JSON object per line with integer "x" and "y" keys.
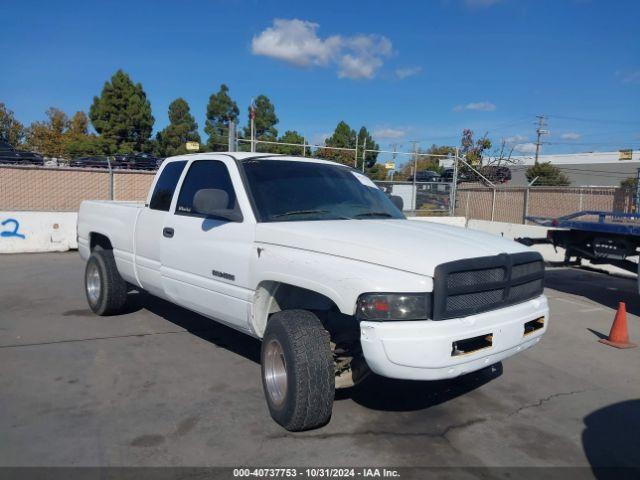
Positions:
{"x": 231, "y": 139}
{"x": 252, "y": 116}
{"x": 540, "y": 131}
{"x": 364, "y": 152}
{"x": 394, "y": 155}
{"x": 415, "y": 174}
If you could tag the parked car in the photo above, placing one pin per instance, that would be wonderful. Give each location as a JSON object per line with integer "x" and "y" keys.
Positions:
{"x": 497, "y": 173}
{"x": 447, "y": 176}
{"x": 310, "y": 257}
{"x": 426, "y": 176}
{"x": 134, "y": 161}
{"x": 10, "y": 155}
{"x": 494, "y": 173}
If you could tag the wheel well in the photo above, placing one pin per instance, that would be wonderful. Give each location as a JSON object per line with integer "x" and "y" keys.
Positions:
{"x": 99, "y": 240}
{"x": 272, "y": 297}
{"x": 344, "y": 330}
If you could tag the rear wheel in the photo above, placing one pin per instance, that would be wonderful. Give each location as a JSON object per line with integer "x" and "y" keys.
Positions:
{"x": 106, "y": 290}
{"x": 298, "y": 374}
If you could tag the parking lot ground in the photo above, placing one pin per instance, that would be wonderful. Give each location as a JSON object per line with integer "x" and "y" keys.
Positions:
{"x": 162, "y": 386}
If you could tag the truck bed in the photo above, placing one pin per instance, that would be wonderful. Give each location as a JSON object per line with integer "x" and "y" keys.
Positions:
{"x": 114, "y": 219}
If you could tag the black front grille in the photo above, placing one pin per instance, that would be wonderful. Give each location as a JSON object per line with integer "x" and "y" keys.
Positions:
{"x": 467, "y": 287}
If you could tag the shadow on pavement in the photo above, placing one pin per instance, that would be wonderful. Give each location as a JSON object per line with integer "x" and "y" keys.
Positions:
{"x": 612, "y": 439}
{"x": 376, "y": 393}
{"x": 386, "y": 394}
{"x": 601, "y": 288}
{"x": 203, "y": 327}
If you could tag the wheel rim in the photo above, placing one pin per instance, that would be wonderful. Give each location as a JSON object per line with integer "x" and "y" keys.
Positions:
{"x": 94, "y": 284}
{"x": 275, "y": 372}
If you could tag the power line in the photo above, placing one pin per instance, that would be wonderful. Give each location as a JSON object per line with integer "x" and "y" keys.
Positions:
{"x": 595, "y": 120}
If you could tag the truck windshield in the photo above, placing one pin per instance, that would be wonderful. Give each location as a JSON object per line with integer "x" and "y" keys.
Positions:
{"x": 285, "y": 191}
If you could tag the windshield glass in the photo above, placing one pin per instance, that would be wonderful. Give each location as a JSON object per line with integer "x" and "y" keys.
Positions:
{"x": 285, "y": 191}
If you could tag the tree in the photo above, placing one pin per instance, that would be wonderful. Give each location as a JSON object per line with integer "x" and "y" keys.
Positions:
{"x": 547, "y": 175}
{"x": 122, "y": 115}
{"x": 182, "y": 128}
{"x": 365, "y": 140}
{"x": 377, "y": 171}
{"x": 221, "y": 111}
{"x": 265, "y": 121}
{"x": 48, "y": 138}
{"x": 629, "y": 183}
{"x": 343, "y": 137}
{"x": 78, "y": 140}
{"x": 290, "y": 136}
{"x": 474, "y": 150}
{"x": 11, "y": 130}
{"x": 424, "y": 161}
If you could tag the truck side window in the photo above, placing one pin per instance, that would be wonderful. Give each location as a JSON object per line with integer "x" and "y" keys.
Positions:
{"x": 166, "y": 185}
{"x": 204, "y": 174}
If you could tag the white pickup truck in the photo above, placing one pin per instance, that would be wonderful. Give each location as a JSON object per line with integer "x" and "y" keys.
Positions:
{"x": 313, "y": 259}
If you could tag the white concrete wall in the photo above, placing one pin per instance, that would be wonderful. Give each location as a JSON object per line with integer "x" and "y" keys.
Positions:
{"x": 26, "y": 232}
{"x": 515, "y": 230}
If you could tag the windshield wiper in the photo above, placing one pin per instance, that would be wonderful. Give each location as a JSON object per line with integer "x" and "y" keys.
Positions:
{"x": 373, "y": 214}
{"x": 299, "y": 212}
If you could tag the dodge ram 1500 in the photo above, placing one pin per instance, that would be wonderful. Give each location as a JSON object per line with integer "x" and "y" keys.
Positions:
{"x": 310, "y": 257}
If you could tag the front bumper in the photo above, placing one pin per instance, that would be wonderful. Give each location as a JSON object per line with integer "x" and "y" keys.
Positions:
{"x": 422, "y": 350}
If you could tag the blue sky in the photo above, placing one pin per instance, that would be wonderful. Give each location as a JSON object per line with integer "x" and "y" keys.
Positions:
{"x": 407, "y": 70}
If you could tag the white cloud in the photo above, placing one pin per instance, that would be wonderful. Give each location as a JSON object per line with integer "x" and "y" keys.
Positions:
{"x": 407, "y": 72}
{"x": 297, "y": 42}
{"x": 516, "y": 139}
{"x": 525, "y": 148}
{"x": 570, "y": 136}
{"x": 389, "y": 133}
{"x": 629, "y": 76}
{"x": 478, "y": 106}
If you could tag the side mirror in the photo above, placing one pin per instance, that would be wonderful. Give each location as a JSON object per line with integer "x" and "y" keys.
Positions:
{"x": 213, "y": 202}
{"x": 397, "y": 201}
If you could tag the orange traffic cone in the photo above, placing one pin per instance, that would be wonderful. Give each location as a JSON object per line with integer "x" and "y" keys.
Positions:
{"x": 618, "y": 336}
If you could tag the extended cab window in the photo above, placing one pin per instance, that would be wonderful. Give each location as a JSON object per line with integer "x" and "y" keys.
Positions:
{"x": 166, "y": 185}
{"x": 204, "y": 174}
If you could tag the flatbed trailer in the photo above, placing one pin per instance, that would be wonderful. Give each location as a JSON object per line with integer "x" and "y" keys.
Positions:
{"x": 600, "y": 237}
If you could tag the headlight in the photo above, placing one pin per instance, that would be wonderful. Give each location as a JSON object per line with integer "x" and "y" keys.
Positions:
{"x": 394, "y": 306}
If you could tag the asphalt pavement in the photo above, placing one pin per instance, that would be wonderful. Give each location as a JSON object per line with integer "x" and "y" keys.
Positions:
{"x": 161, "y": 386}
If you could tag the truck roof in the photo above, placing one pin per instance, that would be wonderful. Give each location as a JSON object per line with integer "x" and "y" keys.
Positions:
{"x": 249, "y": 155}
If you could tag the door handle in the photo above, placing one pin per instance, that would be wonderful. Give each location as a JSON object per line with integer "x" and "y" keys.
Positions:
{"x": 167, "y": 232}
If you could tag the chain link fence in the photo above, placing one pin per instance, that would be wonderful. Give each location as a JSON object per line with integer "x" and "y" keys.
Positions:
{"x": 31, "y": 188}
{"x": 61, "y": 189}
{"x": 514, "y": 204}
{"x": 421, "y": 198}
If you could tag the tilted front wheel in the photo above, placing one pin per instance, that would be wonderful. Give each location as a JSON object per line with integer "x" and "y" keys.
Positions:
{"x": 106, "y": 290}
{"x": 298, "y": 374}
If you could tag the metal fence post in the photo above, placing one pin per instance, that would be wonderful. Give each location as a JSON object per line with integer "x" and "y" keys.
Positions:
{"x": 493, "y": 205}
{"x": 525, "y": 208}
{"x": 466, "y": 210}
{"x": 111, "y": 187}
{"x": 581, "y": 201}
{"x": 454, "y": 186}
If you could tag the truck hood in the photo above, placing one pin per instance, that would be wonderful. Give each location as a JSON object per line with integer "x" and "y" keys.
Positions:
{"x": 412, "y": 246}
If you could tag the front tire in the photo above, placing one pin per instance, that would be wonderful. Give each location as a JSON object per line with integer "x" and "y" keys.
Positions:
{"x": 298, "y": 374}
{"x": 106, "y": 290}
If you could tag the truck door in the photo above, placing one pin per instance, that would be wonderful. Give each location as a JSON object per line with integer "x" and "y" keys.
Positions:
{"x": 149, "y": 225}
{"x": 205, "y": 260}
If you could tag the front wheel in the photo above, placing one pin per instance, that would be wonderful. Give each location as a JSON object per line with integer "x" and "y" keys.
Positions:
{"x": 106, "y": 290}
{"x": 298, "y": 374}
